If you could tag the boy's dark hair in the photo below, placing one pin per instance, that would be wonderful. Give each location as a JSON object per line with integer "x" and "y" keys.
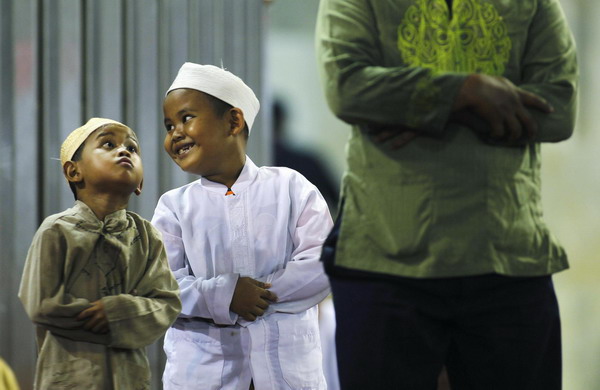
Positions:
{"x": 220, "y": 108}
{"x": 76, "y": 157}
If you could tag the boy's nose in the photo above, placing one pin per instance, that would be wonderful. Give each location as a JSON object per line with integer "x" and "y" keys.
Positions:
{"x": 177, "y": 133}
{"x": 123, "y": 151}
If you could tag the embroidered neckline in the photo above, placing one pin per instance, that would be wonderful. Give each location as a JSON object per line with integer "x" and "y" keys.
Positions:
{"x": 475, "y": 39}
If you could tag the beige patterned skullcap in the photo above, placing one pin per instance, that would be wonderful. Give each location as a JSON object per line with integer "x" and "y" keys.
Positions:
{"x": 221, "y": 84}
{"x": 79, "y": 135}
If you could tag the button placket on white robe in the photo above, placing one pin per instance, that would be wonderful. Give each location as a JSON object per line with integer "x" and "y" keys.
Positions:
{"x": 242, "y": 252}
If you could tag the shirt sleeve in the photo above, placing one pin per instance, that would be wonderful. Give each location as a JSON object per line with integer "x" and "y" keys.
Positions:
{"x": 140, "y": 318}
{"x": 303, "y": 282}
{"x": 43, "y": 291}
{"x": 361, "y": 89}
{"x": 208, "y": 298}
{"x": 550, "y": 70}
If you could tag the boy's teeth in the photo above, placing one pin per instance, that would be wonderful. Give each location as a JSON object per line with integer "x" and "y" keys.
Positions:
{"x": 184, "y": 149}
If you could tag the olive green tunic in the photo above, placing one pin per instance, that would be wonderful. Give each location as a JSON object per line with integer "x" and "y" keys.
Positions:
{"x": 76, "y": 259}
{"x": 449, "y": 203}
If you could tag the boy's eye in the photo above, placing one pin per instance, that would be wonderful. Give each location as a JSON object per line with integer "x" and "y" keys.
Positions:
{"x": 132, "y": 149}
{"x": 169, "y": 127}
{"x": 108, "y": 144}
{"x": 186, "y": 118}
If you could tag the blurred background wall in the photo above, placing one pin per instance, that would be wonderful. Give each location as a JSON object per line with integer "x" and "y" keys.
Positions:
{"x": 62, "y": 61}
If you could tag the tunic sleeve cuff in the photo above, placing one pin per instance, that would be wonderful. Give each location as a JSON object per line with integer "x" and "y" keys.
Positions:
{"x": 223, "y": 296}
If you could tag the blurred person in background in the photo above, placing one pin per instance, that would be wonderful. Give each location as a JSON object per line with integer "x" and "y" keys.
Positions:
{"x": 7, "y": 377}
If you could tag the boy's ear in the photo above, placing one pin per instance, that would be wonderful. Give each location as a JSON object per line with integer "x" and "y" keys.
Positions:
{"x": 138, "y": 190}
{"x": 72, "y": 172}
{"x": 236, "y": 121}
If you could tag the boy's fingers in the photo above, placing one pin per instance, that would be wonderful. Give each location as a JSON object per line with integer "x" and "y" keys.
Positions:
{"x": 264, "y": 305}
{"x": 96, "y": 322}
{"x": 269, "y": 295}
{"x": 96, "y": 328}
{"x": 261, "y": 284}
{"x": 90, "y": 324}
{"x": 84, "y": 314}
{"x": 264, "y": 285}
{"x": 265, "y": 301}
{"x": 100, "y": 328}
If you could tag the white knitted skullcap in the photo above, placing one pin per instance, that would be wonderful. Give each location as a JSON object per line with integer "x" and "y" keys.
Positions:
{"x": 79, "y": 135}
{"x": 221, "y": 84}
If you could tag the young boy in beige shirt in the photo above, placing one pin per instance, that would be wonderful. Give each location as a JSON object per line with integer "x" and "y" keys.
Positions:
{"x": 96, "y": 282}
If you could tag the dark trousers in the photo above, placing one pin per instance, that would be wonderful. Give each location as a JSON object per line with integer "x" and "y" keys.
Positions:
{"x": 491, "y": 332}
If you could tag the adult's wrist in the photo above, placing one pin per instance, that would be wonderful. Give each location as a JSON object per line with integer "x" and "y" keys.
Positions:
{"x": 465, "y": 93}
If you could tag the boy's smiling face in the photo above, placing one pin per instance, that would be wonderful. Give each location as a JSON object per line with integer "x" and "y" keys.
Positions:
{"x": 197, "y": 139}
{"x": 110, "y": 162}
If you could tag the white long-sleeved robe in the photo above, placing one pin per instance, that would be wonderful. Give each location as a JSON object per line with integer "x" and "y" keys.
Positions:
{"x": 272, "y": 230}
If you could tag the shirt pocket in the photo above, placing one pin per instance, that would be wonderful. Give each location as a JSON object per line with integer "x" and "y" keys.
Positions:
{"x": 131, "y": 375}
{"x": 515, "y": 222}
{"x": 194, "y": 360}
{"x": 299, "y": 351}
{"x": 72, "y": 374}
{"x": 398, "y": 218}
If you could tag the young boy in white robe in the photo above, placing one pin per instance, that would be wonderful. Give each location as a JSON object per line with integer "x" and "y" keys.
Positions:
{"x": 244, "y": 244}
{"x": 96, "y": 282}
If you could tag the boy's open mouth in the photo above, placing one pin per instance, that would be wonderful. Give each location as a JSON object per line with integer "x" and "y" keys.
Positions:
{"x": 183, "y": 149}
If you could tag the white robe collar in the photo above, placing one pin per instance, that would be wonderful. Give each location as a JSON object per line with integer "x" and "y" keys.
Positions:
{"x": 246, "y": 177}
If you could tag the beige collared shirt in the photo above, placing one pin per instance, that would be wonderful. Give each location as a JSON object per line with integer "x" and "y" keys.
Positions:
{"x": 76, "y": 259}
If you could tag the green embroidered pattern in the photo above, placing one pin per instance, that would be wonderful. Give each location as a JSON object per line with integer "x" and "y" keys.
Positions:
{"x": 475, "y": 39}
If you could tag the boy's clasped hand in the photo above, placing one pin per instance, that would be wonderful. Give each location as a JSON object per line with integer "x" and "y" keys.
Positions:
{"x": 95, "y": 318}
{"x": 251, "y": 298}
